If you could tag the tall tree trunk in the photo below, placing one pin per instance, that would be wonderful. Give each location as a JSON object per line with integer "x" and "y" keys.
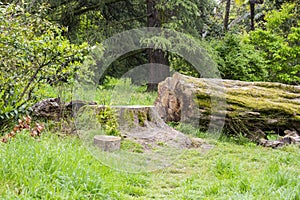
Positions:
{"x": 252, "y": 13}
{"x": 157, "y": 73}
{"x": 227, "y": 12}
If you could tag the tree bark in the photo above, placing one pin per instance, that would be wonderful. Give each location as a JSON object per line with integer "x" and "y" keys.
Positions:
{"x": 254, "y": 109}
{"x": 157, "y": 73}
{"x": 252, "y": 14}
{"x": 227, "y": 12}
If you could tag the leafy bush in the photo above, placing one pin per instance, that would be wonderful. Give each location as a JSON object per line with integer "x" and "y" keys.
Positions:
{"x": 240, "y": 60}
{"x": 270, "y": 53}
{"x": 33, "y": 53}
{"x": 208, "y": 53}
{"x": 279, "y": 44}
{"x": 108, "y": 120}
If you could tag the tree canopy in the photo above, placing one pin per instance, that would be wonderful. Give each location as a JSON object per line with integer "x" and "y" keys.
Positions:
{"x": 45, "y": 42}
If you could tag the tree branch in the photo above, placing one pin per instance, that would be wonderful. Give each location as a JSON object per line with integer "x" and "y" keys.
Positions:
{"x": 132, "y": 53}
{"x": 30, "y": 82}
{"x": 94, "y": 7}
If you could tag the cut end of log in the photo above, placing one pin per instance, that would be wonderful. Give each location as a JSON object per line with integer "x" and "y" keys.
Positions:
{"x": 107, "y": 142}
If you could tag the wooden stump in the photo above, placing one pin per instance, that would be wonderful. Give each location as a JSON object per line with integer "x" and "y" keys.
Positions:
{"x": 143, "y": 125}
{"x": 107, "y": 142}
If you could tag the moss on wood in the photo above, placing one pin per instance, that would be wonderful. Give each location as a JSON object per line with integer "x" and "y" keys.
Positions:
{"x": 251, "y": 106}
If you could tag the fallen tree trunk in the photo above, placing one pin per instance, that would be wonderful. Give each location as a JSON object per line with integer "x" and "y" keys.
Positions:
{"x": 254, "y": 109}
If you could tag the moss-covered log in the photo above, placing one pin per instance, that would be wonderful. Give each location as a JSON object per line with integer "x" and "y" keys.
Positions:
{"x": 254, "y": 109}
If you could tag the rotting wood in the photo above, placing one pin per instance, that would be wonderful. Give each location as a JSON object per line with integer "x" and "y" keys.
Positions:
{"x": 254, "y": 109}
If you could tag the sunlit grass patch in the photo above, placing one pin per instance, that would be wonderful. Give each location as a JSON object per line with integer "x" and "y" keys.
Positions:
{"x": 58, "y": 168}
{"x": 62, "y": 168}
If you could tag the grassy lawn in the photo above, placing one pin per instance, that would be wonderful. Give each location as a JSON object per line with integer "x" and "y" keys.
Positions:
{"x": 61, "y": 168}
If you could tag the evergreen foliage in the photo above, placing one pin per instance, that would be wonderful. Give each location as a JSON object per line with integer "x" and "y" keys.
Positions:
{"x": 44, "y": 42}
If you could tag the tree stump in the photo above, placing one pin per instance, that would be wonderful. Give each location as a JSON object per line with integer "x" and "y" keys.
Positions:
{"x": 141, "y": 124}
{"x": 107, "y": 142}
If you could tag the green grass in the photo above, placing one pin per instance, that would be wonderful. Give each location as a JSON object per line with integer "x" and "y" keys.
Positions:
{"x": 114, "y": 92}
{"x": 188, "y": 129}
{"x": 58, "y": 167}
{"x": 61, "y": 168}
{"x": 131, "y": 146}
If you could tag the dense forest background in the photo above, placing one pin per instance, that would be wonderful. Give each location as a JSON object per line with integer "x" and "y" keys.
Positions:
{"x": 44, "y": 42}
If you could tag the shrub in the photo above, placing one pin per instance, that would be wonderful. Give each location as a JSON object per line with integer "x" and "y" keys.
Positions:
{"x": 108, "y": 120}
{"x": 240, "y": 60}
{"x": 279, "y": 43}
{"x": 33, "y": 53}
